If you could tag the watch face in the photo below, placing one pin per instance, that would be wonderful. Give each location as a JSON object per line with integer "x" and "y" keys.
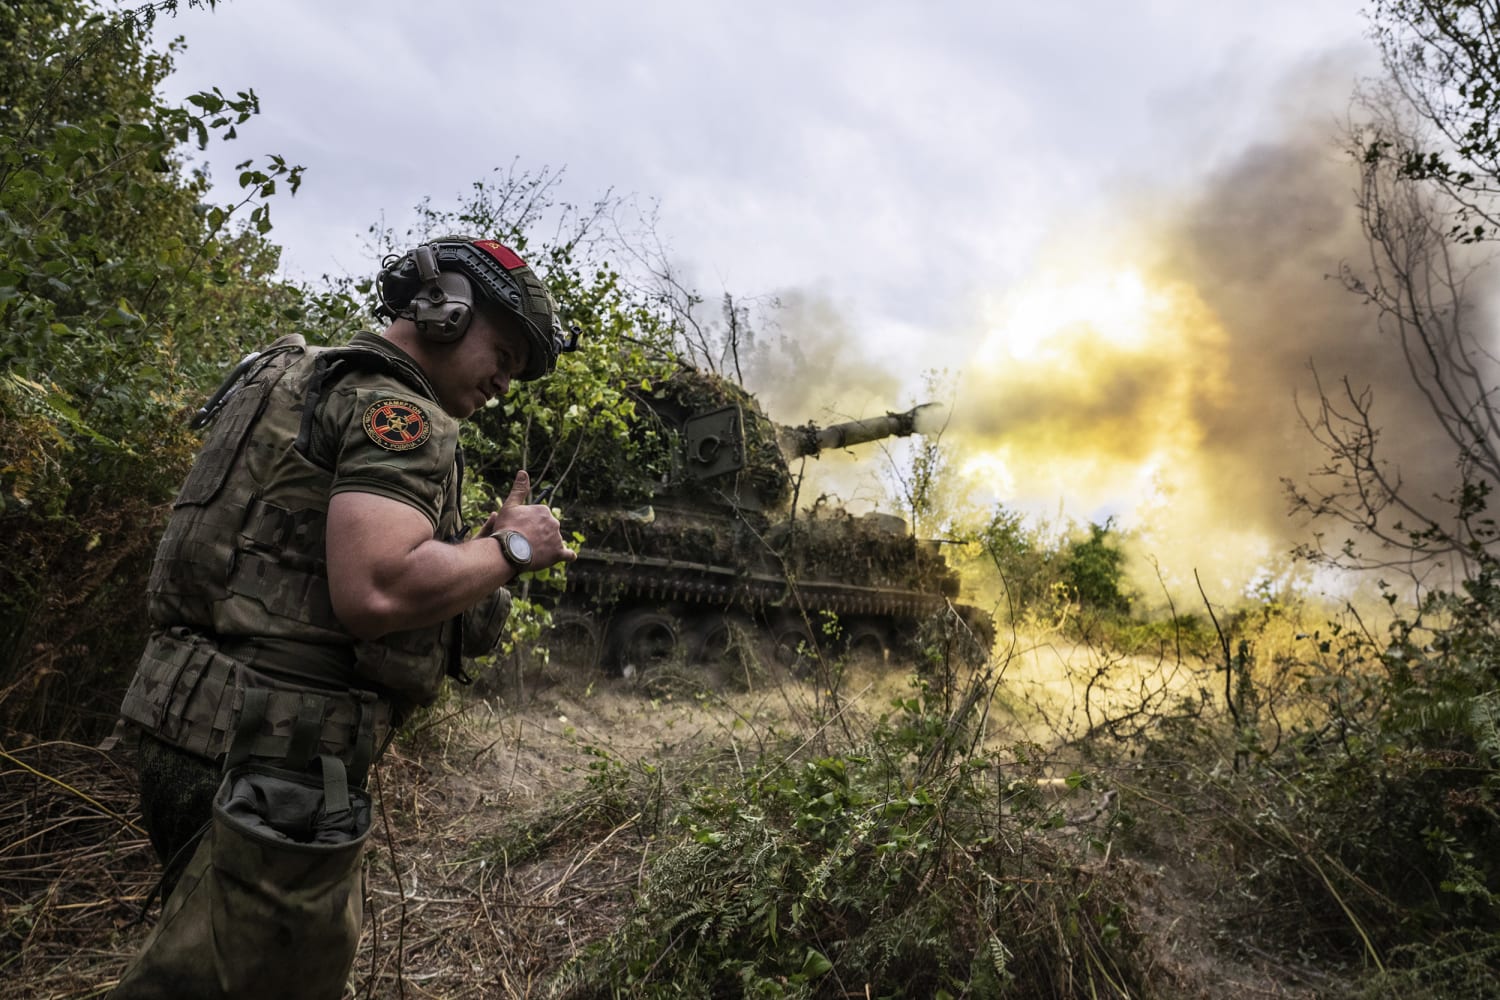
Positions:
{"x": 519, "y": 547}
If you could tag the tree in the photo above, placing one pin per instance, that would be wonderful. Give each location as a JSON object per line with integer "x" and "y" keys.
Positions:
{"x": 1429, "y": 162}
{"x": 1410, "y": 734}
{"x": 1443, "y": 59}
{"x": 1094, "y": 569}
{"x": 123, "y": 293}
{"x": 1026, "y": 564}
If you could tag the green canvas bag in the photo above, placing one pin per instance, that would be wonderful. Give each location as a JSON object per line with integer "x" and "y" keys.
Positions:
{"x": 271, "y": 903}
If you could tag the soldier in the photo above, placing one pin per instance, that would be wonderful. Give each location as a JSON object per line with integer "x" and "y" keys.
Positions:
{"x": 315, "y": 582}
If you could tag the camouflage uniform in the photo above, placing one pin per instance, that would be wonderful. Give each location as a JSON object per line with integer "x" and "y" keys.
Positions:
{"x": 239, "y": 598}
{"x": 249, "y": 672}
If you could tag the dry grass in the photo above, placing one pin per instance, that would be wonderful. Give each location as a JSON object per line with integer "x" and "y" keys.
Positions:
{"x": 74, "y": 869}
{"x": 445, "y": 920}
{"x": 494, "y": 860}
{"x": 453, "y": 908}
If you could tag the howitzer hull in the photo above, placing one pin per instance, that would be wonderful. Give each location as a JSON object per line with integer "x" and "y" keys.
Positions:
{"x": 647, "y": 596}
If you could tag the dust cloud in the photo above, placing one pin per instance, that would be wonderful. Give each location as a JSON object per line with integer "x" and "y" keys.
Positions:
{"x": 804, "y": 365}
{"x": 809, "y": 364}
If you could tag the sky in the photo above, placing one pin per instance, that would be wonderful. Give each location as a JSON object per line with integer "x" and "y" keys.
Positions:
{"x": 1108, "y": 226}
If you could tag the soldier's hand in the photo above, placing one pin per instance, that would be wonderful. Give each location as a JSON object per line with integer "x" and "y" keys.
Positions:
{"x": 534, "y": 520}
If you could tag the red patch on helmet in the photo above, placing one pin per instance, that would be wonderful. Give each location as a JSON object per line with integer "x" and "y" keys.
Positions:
{"x": 397, "y": 425}
{"x": 507, "y": 257}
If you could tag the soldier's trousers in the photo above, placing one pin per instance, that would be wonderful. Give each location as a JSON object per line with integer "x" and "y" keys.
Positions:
{"x": 177, "y": 800}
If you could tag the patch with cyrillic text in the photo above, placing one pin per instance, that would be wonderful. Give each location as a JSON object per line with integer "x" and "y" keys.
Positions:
{"x": 397, "y": 425}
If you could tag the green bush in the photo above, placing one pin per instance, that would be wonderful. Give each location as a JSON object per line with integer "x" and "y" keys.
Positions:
{"x": 1361, "y": 808}
{"x": 1094, "y": 569}
{"x": 912, "y": 865}
{"x": 1397, "y": 778}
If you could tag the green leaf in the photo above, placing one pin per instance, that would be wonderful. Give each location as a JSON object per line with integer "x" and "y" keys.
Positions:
{"x": 815, "y": 964}
{"x": 117, "y": 317}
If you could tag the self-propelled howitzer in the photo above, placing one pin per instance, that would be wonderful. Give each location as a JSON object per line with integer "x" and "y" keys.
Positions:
{"x": 699, "y": 545}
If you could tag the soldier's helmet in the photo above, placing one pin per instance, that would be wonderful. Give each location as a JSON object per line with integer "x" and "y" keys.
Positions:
{"x": 437, "y": 286}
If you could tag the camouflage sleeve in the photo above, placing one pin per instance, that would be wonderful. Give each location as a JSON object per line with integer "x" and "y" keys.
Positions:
{"x": 391, "y": 442}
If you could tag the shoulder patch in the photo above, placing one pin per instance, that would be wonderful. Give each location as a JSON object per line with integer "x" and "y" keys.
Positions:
{"x": 397, "y": 424}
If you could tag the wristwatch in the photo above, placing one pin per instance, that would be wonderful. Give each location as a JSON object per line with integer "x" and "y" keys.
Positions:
{"x": 515, "y": 548}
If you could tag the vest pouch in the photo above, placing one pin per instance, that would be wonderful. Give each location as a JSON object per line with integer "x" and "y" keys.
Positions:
{"x": 409, "y": 666}
{"x": 183, "y": 691}
{"x": 484, "y": 624}
{"x": 242, "y": 399}
{"x": 279, "y": 564}
{"x": 271, "y": 902}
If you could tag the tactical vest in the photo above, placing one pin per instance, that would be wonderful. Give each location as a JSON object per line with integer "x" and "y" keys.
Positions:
{"x": 238, "y": 595}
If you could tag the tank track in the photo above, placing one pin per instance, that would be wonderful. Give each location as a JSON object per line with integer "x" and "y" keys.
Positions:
{"x": 661, "y": 601}
{"x": 616, "y": 574}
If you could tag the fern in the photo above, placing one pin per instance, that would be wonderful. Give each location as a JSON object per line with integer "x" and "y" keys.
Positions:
{"x": 1484, "y": 724}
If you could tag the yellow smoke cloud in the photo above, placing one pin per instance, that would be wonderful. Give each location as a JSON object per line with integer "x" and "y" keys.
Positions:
{"x": 1088, "y": 394}
{"x": 1101, "y": 367}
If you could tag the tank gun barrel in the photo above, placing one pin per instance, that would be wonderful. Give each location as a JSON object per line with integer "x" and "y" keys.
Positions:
{"x": 810, "y": 439}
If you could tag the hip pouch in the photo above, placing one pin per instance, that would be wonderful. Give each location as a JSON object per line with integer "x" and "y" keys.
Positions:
{"x": 272, "y": 900}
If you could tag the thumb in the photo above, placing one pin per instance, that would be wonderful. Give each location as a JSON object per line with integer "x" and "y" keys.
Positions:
{"x": 519, "y": 490}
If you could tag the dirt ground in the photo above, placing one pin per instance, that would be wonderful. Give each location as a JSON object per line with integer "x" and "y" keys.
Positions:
{"x": 490, "y": 863}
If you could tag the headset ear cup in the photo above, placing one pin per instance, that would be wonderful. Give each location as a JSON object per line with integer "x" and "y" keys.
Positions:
{"x": 443, "y": 309}
{"x": 451, "y": 325}
{"x": 398, "y": 285}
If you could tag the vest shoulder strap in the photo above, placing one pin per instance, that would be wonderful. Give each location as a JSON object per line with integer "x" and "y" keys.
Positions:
{"x": 334, "y": 363}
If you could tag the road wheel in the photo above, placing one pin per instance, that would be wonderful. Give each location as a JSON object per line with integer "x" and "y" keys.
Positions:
{"x": 574, "y": 641}
{"x": 642, "y": 640}
{"x": 714, "y": 637}
{"x": 794, "y": 647}
{"x": 868, "y": 643}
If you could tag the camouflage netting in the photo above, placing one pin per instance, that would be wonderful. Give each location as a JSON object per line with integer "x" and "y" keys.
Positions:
{"x": 624, "y": 502}
{"x": 834, "y": 544}
{"x": 704, "y": 536}
{"x": 829, "y": 544}
{"x": 647, "y": 465}
{"x": 765, "y": 476}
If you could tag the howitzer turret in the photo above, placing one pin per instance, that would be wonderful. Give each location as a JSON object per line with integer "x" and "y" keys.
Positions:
{"x": 691, "y": 540}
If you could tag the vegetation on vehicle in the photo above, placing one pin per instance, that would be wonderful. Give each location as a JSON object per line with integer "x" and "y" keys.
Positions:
{"x": 709, "y": 533}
